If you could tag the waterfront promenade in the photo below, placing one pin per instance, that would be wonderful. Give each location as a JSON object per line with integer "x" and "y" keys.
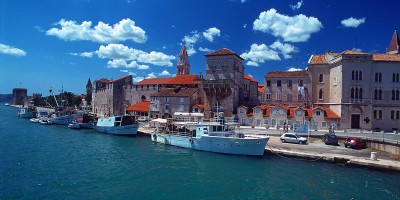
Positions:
{"x": 316, "y": 150}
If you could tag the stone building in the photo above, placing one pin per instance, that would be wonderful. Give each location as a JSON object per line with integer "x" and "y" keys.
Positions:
{"x": 224, "y": 85}
{"x": 362, "y": 88}
{"x": 109, "y": 96}
{"x": 20, "y": 96}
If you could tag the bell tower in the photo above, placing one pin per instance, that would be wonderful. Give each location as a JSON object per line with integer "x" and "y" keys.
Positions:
{"x": 183, "y": 65}
{"x": 394, "y": 46}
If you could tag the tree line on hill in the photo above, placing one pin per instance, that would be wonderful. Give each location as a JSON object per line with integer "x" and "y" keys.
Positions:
{"x": 67, "y": 99}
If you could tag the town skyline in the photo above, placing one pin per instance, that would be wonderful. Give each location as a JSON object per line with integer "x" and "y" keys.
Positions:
{"x": 55, "y": 44}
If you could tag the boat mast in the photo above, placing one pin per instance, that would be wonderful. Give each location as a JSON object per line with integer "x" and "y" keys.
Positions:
{"x": 52, "y": 93}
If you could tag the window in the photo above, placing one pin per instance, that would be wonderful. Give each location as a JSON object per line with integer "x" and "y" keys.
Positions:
{"x": 278, "y": 83}
{"x": 377, "y": 114}
{"x": 250, "y": 120}
{"x": 166, "y": 99}
{"x": 320, "y": 94}
{"x": 289, "y": 97}
{"x": 377, "y": 94}
{"x": 181, "y": 108}
{"x": 392, "y": 114}
{"x": 396, "y": 78}
{"x": 278, "y": 96}
{"x": 268, "y": 83}
{"x": 257, "y": 111}
{"x": 181, "y": 100}
{"x": 300, "y": 83}
{"x": 356, "y": 93}
{"x": 268, "y": 96}
{"x": 335, "y": 81}
{"x": 289, "y": 83}
{"x": 318, "y": 113}
{"x": 196, "y": 110}
{"x": 324, "y": 124}
{"x": 244, "y": 122}
{"x": 356, "y": 75}
{"x": 378, "y": 77}
{"x": 321, "y": 78}
{"x": 265, "y": 121}
{"x": 396, "y": 94}
{"x": 241, "y": 110}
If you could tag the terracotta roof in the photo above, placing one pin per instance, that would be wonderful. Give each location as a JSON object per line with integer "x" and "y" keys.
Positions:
{"x": 183, "y": 92}
{"x": 118, "y": 79}
{"x": 287, "y": 73}
{"x": 291, "y": 112}
{"x": 386, "y": 57}
{"x": 201, "y": 106}
{"x": 222, "y": 52}
{"x": 184, "y": 80}
{"x": 328, "y": 113}
{"x": 154, "y": 81}
{"x": 318, "y": 60}
{"x": 142, "y": 106}
{"x": 394, "y": 43}
{"x": 333, "y": 53}
{"x": 103, "y": 80}
{"x": 260, "y": 88}
{"x": 351, "y": 52}
{"x": 248, "y": 77}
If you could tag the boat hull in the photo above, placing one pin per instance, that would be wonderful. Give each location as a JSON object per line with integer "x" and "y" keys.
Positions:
{"x": 26, "y": 115}
{"x": 226, "y": 145}
{"x": 119, "y": 130}
{"x": 62, "y": 120}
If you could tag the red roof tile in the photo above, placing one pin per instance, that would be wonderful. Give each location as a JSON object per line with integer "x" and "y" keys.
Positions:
{"x": 118, "y": 79}
{"x": 318, "y": 60}
{"x": 222, "y": 52}
{"x": 328, "y": 113}
{"x": 291, "y": 112}
{"x": 386, "y": 57}
{"x": 154, "y": 81}
{"x": 352, "y": 52}
{"x": 184, "y": 80}
{"x": 248, "y": 77}
{"x": 260, "y": 88}
{"x": 142, "y": 106}
{"x": 201, "y": 106}
{"x": 103, "y": 80}
{"x": 287, "y": 73}
{"x": 394, "y": 43}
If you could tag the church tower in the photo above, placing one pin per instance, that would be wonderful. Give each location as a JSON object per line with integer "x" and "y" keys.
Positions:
{"x": 89, "y": 87}
{"x": 183, "y": 65}
{"x": 394, "y": 44}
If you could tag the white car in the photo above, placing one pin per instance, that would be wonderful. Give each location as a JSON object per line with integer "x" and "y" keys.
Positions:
{"x": 294, "y": 138}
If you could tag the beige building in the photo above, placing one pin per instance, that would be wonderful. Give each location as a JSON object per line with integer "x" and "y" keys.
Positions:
{"x": 362, "y": 88}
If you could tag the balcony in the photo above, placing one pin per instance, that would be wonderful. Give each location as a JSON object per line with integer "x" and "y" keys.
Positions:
{"x": 359, "y": 101}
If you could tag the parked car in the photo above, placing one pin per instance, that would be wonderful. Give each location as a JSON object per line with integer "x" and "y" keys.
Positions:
{"x": 330, "y": 139}
{"x": 293, "y": 138}
{"x": 355, "y": 142}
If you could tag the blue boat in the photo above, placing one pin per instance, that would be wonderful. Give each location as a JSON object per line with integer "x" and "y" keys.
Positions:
{"x": 118, "y": 125}
{"x": 217, "y": 136}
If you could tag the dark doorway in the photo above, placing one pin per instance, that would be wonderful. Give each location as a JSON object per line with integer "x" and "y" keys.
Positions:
{"x": 355, "y": 121}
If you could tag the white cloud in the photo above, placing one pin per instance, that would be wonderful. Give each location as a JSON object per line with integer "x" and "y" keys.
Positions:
{"x": 84, "y": 54}
{"x": 357, "y": 49}
{"x": 126, "y": 71}
{"x": 190, "y": 49}
{"x": 102, "y": 32}
{"x": 151, "y": 75}
{"x": 259, "y": 54}
{"x": 191, "y": 39}
{"x": 205, "y": 49}
{"x": 297, "y": 6}
{"x": 119, "y": 63}
{"x": 164, "y": 73}
{"x": 210, "y": 33}
{"x": 290, "y": 29}
{"x": 137, "y": 79}
{"x": 285, "y": 49}
{"x": 38, "y": 28}
{"x": 156, "y": 58}
{"x": 292, "y": 69}
{"x": 245, "y": 25}
{"x": 9, "y": 50}
{"x": 353, "y": 22}
{"x": 118, "y": 51}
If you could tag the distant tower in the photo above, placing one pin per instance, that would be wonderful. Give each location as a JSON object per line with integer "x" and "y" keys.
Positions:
{"x": 89, "y": 87}
{"x": 183, "y": 65}
{"x": 394, "y": 44}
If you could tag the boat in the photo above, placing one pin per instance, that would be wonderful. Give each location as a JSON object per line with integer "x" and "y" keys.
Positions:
{"x": 6, "y": 104}
{"x": 45, "y": 121}
{"x": 118, "y": 125}
{"x": 26, "y": 112}
{"x": 39, "y": 115}
{"x": 215, "y": 135}
{"x": 75, "y": 125}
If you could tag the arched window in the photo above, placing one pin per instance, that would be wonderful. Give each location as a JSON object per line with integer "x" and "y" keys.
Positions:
{"x": 352, "y": 75}
{"x": 143, "y": 97}
{"x": 397, "y": 95}
{"x": 360, "y": 75}
{"x": 352, "y": 93}
{"x": 360, "y": 93}
{"x": 380, "y": 94}
{"x": 321, "y": 78}
{"x": 375, "y": 94}
{"x": 393, "y": 95}
{"x": 356, "y": 93}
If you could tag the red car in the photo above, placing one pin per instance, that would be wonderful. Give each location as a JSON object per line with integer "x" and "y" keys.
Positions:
{"x": 355, "y": 142}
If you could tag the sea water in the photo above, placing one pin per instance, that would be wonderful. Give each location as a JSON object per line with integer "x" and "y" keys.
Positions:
{"x": 54, "y": 162}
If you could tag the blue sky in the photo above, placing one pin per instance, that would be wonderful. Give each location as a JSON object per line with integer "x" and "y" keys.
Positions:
{"x": 52, "y": 43}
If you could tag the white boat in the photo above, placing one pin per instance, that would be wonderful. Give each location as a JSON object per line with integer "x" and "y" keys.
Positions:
{"x": 39, "y": 115}
{"x": 45, "y": 121}
{"x": 75, "y": 125}
{"x": 219, "y": 137}
{"x": 118, "y": 125}
{"x": 26, "y": 112}
{"x": 6, "y": 104}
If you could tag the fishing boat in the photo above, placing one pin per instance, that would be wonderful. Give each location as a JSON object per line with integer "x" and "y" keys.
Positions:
{"x": 75, "y": 124}
{"x": 6, "y": 104}
{"x": 45, "y": 121}
{"x": 39, "y": 115}
{"x": 214, "y": 136}
{"x": 118, "y": 125}
{"x": 26, "y": 112}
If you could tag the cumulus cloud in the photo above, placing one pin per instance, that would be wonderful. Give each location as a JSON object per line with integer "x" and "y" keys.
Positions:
{"x": 297, "y": 6}
{"x": 205, "y": 49}
{"x": 38, "y": 28}
{"x": 258, "y": 54}
{"x": 292, "y": 69}
{"x": 151, "y": 75}
{"x": 137, "y": 79}
{"x": 191, "y": 39}
{"x": 352, "y": 22}
{"x": 84, "y": 54}
{"x": 102, "y": 32}
{"x": 291, "y": 29}
{"x": 156, "y": 58}
{"x": 119, "y": 63}
{"x": 126, "y": 71}
{"x": 210, "y": 33}
{"x": 164, "y": 73}
{"x": 9, "y": 50}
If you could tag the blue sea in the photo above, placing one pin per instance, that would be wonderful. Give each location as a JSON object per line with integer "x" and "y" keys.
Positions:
{"x": 54, "y": 162}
